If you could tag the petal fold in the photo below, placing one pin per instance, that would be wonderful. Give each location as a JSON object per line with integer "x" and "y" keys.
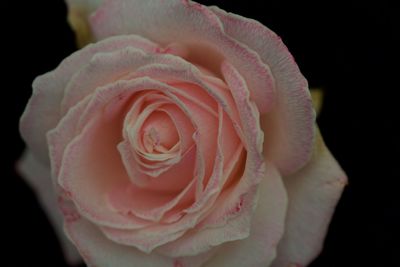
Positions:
{"x": 42, "y": 112}
{"x": 199, "y": 29}
{"x": 289, "y": 126}
{"x": 267, "y": 227}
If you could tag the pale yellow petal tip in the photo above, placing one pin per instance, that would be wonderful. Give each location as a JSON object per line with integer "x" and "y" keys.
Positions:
{"x": 317, "y": 95}
{"x": 77, "y": 19}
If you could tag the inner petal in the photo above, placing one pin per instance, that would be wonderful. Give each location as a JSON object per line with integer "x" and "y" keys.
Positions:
{"x": 159, "y": 134}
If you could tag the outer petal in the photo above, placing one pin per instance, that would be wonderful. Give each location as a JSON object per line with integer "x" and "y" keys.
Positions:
{"x": 259, "y": 249}
{"x": 99, "y": 251}
{"x": 313, "y": 194}
{"x": 38, "y": 176}
{"x": 59, "y": 137}
{"x": 42, "y": 112}
{"x": 191, "y": 25}
{"x": 288, "y": 128}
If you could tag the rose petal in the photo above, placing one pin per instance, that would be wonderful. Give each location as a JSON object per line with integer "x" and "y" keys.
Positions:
{"x": 42, "y": 113}
{"x": 153, "y": 174}
{"x": 167, "y": 181}
{"x": 240, "y": 201}
{"x": 216, "y": 89}
{"x": 127, "y": 198}
{"x": 97, "y": 250}
{"x": 248, "y": 113}
{"x": 124, "y": 63}
{"x": 199, "y": 29}
{"x": 101, "y": 69}
{"x": 211, "y": 233}
{"x": 74, "y": 176}
{"x": 91, "y": 165}
{"x": 267, "y": 227}
{"x": 137, "y": 129}
{"x": 59, "y": 137}
{"x": 231, "y": 213}
{"x": 251, "y": 177}
{"x": 122, "y": 86}
{"x": 226, "y": 223}
{"x": 313, "y": 193}
{"x": 156, "y": 235}
{"x": 38, "y": 177}
{"x": 179, "y": 70}
{"x": 149, "y": 238}
{"x": 288, "y": 128}
{"x": 136, "y": 165}
{"x": 159, "y": 133}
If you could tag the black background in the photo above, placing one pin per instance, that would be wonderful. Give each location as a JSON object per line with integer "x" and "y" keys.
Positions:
{"x": 351, "y": 50}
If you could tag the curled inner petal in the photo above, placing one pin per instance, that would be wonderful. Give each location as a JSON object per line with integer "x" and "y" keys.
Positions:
{"x": 159, "y": 134}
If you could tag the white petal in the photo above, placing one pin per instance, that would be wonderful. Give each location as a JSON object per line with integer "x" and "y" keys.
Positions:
{"x": 99, "y": 251}
{"x": 259, "y": 249}
{"x": 313, "y": 193}
{"x": 288, "y": 128}
{"x": 38, "y": 177}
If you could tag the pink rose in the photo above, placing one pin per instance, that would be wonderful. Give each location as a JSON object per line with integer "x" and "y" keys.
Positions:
{"x": 185, "y": 136}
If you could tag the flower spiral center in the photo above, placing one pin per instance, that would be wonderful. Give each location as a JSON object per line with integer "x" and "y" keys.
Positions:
{"x": 159, "y": 133}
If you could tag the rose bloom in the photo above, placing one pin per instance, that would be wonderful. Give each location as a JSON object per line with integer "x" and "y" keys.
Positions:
{"x": 183, "y": 136}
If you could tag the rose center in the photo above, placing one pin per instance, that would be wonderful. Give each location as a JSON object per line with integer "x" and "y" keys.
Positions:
{"x": 159, "y": 134}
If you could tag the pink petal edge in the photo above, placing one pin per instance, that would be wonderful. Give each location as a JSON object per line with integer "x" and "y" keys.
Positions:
{"x": 42, "y": 112}
{"x": 98, "y": 251}
{"x": 199, "y": 29}
{"x": 289, "y": 126}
